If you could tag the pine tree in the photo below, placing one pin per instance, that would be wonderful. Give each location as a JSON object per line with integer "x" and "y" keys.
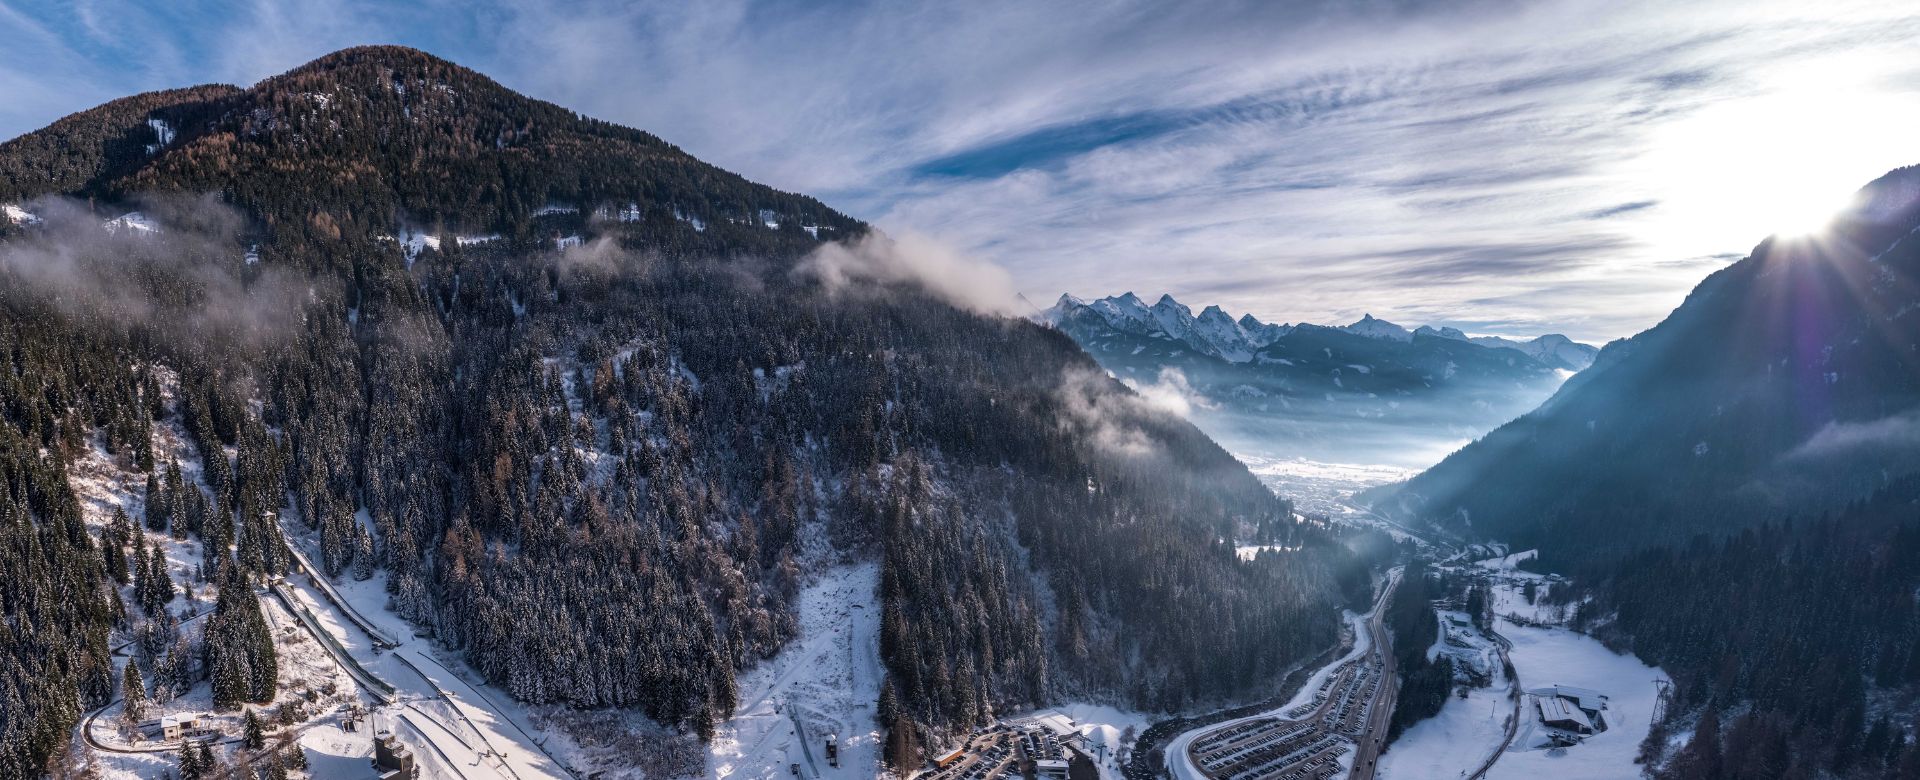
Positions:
{"x": 189, "y": 759}
{"x": 133, "y": 708}
{"x": 256, "y": 733}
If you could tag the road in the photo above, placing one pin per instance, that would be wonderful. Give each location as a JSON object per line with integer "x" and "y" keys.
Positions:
{"x": 1374, "y": 739}
{"x": 373, "y": 652}
{"x": 1351, "y": 706}
{"x": 1513, "y": 692}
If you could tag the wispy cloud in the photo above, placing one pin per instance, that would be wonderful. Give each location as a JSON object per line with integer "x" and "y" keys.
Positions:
{"x": 1488, "y": 162}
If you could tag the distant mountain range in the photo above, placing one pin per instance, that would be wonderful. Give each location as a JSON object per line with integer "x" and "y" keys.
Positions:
{"x": 1372, "y": 391}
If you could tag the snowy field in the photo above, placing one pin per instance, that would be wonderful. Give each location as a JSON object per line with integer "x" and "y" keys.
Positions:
{"x": 1320, "y": 488}
{"x": 1455, "y": 742}
{"x": 1555, "y": 656}
{"x": 825, "y": 682}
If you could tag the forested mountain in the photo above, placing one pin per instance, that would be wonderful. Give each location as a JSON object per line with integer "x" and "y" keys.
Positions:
{"x": 1786, "y": 381}
{"x": 595, "y": 407}
{"x": 1735, "y": 491}
{"x": 1369, "y": 392}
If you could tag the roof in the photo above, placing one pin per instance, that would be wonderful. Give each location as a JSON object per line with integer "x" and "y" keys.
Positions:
{"x": 1554, "y": 708}
{"x": 1585, "y": 698}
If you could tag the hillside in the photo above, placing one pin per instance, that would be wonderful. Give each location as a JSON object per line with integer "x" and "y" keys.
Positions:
{"x": 596, "y": 408}
{"x": 1369, "y": 392}
{"x": 1784, "y": 382}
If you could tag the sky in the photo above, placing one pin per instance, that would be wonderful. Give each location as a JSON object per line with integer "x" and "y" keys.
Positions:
{"x": 1501, "y": 167}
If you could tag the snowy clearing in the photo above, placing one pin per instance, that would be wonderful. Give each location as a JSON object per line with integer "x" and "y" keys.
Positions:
{"x": 824, "y": 682}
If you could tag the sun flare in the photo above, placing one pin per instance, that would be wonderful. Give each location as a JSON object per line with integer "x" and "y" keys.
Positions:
{"x": 1784, "y": 162}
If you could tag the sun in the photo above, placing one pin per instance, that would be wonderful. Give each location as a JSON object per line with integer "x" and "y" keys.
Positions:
{"x": 1783, "y": 162}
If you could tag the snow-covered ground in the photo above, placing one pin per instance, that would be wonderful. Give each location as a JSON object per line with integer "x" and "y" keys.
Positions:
{"x": 1104, "y": 730}
{"x": 825, "y": 682}
{"x": 1455, "y": 742}
{"x": 1321, "y": 488}
{"x": 480, "y": 730}
{"x": 1556, "y": 656}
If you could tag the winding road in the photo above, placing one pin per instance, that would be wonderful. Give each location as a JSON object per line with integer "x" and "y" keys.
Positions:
{"x": 1269, "y": 744}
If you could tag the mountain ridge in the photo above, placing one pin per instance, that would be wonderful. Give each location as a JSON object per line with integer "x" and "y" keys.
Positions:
{"x": 1237, "y": 340}
{"x": 595, "y": 409}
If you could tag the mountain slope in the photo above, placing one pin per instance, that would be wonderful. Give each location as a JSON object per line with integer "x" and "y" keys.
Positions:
{"x": 1786, "y": 381}
{"x": 1369, "y": 392}
{"x": 597, "y": 408}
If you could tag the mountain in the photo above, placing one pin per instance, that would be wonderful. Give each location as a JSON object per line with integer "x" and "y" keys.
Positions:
{"x": 1734, "y": 491}
{"x": 1378, "y": 329}
{"x": 593, "y": 411}
{"x": 1785, "y": 382}
{"x": 1369, "y": 392}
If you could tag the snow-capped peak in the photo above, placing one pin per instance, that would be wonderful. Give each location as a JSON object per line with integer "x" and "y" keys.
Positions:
{"x": 1124, "y": 308}
{"x": 1261, "y": 334}
{"x": 1219, "y": 331}
{"x": 1378, "y": 329}
{"x": 1174, "y": 317}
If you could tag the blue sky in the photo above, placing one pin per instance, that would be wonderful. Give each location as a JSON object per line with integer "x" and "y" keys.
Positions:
{"x": 1497, "y": 166}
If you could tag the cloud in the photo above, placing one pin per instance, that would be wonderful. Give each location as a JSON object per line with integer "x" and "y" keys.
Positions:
{"x": 1893, "y": 432}
{"x": 1108, "y": 415}
{"x": 1260, "y": 151}
{"x": 1170, "y": 392}
{"x": 914, "y": 259}
{"x": 183, "y": 273}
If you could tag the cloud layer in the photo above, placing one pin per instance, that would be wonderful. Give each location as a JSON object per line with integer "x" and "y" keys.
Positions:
{"x": 1568, "y": 165}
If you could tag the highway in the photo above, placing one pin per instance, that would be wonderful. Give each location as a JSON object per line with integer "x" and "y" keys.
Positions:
{"x": 1374, "y": 739}
{"x": 1350, "y": 709}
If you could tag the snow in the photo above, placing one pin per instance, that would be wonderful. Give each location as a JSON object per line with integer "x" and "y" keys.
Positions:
{"x": 132, "y": 224}
{"x": 1101, "y": 726}
{"x": 555, "y": 208}
{"x": 1321, "y": 487}
{"x": 1378, "y": 329}
{"x": 163, "y": 132}
{"x": 1556, "y": 656}
{"x": 1457, "y": 740}
{"x": 447, "y": 710}
{"x": 825, "y": 681}
{"x": 19, "y": 216}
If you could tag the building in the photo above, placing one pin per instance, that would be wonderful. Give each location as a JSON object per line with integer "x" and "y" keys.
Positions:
{"x": 178, "y": 726}
{"x": 392, "y": 760}
{"x": 950, "y": 758}
{"x": 1050, "y": 769}
{"x": 1561, "y": 714}
{"x": 1590, "y": 704}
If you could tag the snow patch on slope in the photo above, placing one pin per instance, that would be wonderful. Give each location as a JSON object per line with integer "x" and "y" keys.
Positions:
{"x": 824, "y": 682}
